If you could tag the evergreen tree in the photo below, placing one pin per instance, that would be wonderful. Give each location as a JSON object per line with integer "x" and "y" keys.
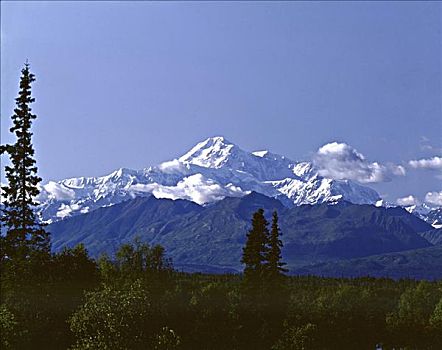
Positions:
{"x": 255, "y": 250}
{"x": 275, "y": 266}
{"x": 25, "y": 235}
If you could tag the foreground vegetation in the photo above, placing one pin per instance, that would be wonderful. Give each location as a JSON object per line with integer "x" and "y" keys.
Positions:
{"x": 139, "y": 302}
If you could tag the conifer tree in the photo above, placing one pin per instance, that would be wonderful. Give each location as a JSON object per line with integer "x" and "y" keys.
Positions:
{"x": 25, "y": 235}
{"x": 254, "y": 252}
{"x": 275, "y": 266}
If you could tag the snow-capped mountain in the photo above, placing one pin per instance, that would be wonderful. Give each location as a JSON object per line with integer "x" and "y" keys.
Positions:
{"x": 432, "y": 215}
{"x": 210, "y": 171}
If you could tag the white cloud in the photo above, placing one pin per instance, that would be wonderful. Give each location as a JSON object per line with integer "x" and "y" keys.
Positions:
{"x": 341, "y": 161}
{"x": 142, "y": 188}
{"x": 406, "y": 201}
{"x": 431, "y": 163}
{"x": 172, "y": 166}
{"x": 434, "y": 198}
{"x": 397, "y": 170}
{"x": 195, "y": 188}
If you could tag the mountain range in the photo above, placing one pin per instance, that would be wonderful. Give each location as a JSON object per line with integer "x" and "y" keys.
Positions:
{"x": 199, "y": 207}
{"x": 211, "y": 237}
{"x": 431, "y": 215}
{"x": 210, "y": 171}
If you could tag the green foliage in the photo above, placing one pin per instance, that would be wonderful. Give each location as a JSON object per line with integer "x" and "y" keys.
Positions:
{"x": 112, "y": 319}
{"x": 436, "y": 324}
{"x": 8, "y": 328}
{"x": 255, "y": 250}
{"x": 265, "y": 296}
{"x": 167, "y": 339}
{"x": 138, "y": 260}
{"x": 25, "y": 260}
{"x": 275, "y": 266}
{"x": 436, "y": 317}
{"x": 298, "y": 338}
{"x": 127, "y": 311}
{"x": 214, "y": 308}
{"x": 75, "y": 265}
{"x": 44, "y": 295}
{"x": 262, "y": 256}
{"x": 197, "y": 311}
{"x": 410, "y": 322}
{"x": 25, "y": 235}
{"x": 107, "y": 270}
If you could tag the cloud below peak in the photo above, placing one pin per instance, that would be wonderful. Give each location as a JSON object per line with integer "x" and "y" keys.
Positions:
{"x": 407, "y": 201}
{"x": 342, "y": 162}
{"x": 434, "y": 198}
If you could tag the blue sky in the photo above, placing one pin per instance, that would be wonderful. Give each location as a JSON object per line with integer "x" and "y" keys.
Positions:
{"x": 131, "y": 84}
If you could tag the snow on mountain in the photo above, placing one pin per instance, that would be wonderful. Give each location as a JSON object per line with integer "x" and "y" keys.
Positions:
{"x": 432, "y": 215}
{"x": 210, "y": 171}
{"x": 316, "y": 189}
{"x": 220, "y": 154}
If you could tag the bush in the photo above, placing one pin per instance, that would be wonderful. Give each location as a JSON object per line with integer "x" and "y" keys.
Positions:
{"x": 8, "y": 326}
{"x": 167, "y": 339}
{"x": 113, "y": 319}
{"x": 298, "y": 338}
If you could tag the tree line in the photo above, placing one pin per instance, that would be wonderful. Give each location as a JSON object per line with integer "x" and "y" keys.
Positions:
{"x": 137, "y": 300}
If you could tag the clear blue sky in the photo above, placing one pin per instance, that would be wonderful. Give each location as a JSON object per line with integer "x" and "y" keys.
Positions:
{"x": 131, "y": 84}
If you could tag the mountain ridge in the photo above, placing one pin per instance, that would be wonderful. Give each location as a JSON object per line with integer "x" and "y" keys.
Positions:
{"x": 214, "y": 235}
{"x": 212, "y": 170}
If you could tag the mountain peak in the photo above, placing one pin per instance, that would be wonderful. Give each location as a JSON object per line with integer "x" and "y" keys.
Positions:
{"x": 213, "y": 152}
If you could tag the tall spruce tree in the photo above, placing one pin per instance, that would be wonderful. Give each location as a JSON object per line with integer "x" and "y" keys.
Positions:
{"x": 255, "y": 250}
{"x": 25, "y": 235}
{"x": 275, "y": 266}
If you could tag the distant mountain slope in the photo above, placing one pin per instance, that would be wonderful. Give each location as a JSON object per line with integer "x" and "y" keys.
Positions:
{"x": 210, "y": 171}
{"x": 346, "y": 231}
{"x": 104, "y": 229}
{"x": 433, "y": 236}
{"x": 214, "y": 235}
{"x": 433, "y": 216}
{"x": 423, "y": 263}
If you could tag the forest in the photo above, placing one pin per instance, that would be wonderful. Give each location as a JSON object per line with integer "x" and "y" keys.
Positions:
{"x": 137, "y": 300}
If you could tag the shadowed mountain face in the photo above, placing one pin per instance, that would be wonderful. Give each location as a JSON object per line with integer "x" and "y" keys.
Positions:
{"x": 345, "y": 230}
{"x": 104, "y": 229}
{"x": 433, "y": 236}
{"x": 425, "y": 263}
{"x": 214, "y": 235}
